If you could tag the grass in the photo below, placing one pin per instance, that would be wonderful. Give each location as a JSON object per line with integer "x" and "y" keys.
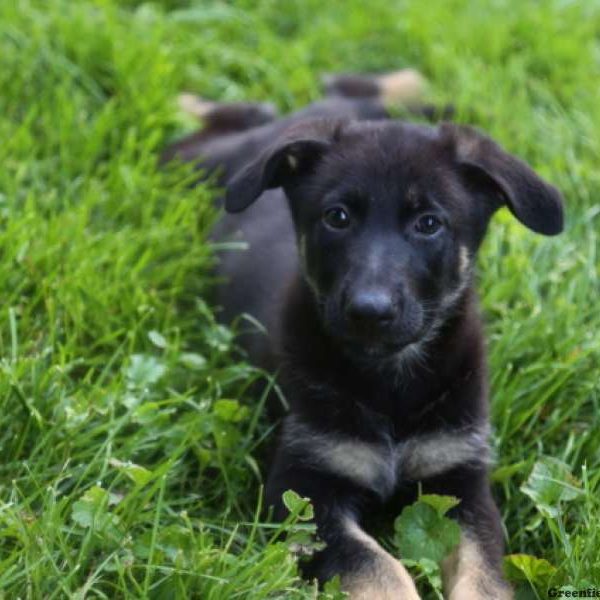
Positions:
{"x": 129, "y": 435}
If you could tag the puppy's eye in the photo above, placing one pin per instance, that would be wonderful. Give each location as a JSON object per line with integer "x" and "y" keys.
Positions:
{"x": 336, "y": 217}
{"x": 428, "y": 225}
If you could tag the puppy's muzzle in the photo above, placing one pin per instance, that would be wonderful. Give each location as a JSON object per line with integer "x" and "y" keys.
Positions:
{"x": 370, "y": 312}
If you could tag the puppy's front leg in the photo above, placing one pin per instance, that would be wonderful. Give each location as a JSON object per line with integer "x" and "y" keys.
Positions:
{"x": 366, "y": 570}
{"x": 378, "y": 575}
{"x": 468, "y": 576}
{"x": 474, "y": 569}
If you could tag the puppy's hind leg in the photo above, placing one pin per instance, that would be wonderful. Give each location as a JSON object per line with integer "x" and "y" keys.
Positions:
{"x": 227, "y": 116}
{"x": 218, "y": 119}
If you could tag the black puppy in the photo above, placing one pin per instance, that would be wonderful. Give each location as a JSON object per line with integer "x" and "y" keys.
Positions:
{"x": 362, "y": 239}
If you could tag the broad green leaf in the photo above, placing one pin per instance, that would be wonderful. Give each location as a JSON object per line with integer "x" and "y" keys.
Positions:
{"x": 138, "y": 474}
{"x": 549, "y": 484}
{"x": 230, "y": 410}
{"x": 158, "y": 339}
{"x": 304, "y": 542}
{"x": 523, "y": 567}
{"x": 92, "y": 510}
{"x": 144, "y": 370}
{"x": 94, "y": 501}
{"x": 332, "y": 590}
{"x": 421, "y": 532}
{"x": 442, "y": 504}
{"x": 193, "y": 361}
{"x": 432, "y": 571}
{"x": 298, "y": 506}
{"x": 429, "y": 569}
{"x": 505, "y": 473}
{"x": 218, "y": 337}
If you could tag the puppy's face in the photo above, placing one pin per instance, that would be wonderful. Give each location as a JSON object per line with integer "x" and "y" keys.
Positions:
{"x": 385, "y": 238}
{"x": 388, "y": 218}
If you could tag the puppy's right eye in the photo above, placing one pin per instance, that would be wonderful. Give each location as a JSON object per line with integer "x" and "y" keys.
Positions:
{"x": 428, "y": 225}
{"x": 336, "y": 217}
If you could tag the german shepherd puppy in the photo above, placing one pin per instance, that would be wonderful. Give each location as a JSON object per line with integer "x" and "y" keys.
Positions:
{"x": 362, "y": 234}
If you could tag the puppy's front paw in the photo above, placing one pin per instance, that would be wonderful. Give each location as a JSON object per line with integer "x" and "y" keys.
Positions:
{"x": 468, "y": 577}
{"x": 378, "y": 575}
{"x": 384, "y": 579}
{"x": 476, "y": 586}
{"x": 390, "y": 590}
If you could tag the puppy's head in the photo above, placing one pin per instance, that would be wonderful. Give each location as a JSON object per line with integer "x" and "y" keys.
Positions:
{"x": 389, "y": 217}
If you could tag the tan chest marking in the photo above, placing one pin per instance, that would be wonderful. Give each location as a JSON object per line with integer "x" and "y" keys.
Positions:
{"x": 381, "y": 466}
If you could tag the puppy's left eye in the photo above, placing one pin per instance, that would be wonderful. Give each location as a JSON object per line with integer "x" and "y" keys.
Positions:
{"x": 428, "y": 224}
{"x": 336, "y": 217}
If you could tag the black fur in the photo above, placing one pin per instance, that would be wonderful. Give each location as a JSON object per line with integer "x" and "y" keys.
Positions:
{"x": 375, "y": 330}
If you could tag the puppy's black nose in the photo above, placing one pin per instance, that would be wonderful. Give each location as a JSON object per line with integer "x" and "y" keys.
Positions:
{"x": 370, "y": 308}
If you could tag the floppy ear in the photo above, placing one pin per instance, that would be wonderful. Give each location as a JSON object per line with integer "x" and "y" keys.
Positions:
{"x": 294, "y": 154}
{"x": 489, "y": 169}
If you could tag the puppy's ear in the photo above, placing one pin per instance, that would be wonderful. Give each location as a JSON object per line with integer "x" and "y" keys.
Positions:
{"x": 488, "y": 169}
{"x": 293, "y": 155}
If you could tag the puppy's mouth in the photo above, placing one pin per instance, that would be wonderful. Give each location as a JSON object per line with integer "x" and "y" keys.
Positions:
{"x": 371, "y": 342}
{"x": 371, "y": 351}
{"x": 376, "y": 349}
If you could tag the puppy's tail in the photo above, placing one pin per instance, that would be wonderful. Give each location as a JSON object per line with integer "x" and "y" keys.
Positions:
{"x": 406, "y": 86}
{"x": 402, "y": 90}
{"x": 218, "y": 119}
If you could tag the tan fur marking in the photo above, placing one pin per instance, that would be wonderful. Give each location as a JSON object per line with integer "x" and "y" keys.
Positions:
{"x": 401, "y": 87}
{"x": 302, "y": 249}
{"x": 380, "y": 466}
{"x": 302, "y": 253}
{"x": 463, "y": 260}
{"x": 467, "y": 577}
{"x": 360, "y": 462}
{"x": 387, "y": 579}
{"x": 467, "y": 143}
{"x": 412, "y": 196}
{"x": 194, "y": 105}
{"x": 370, "y": 465}
{"x": 292, "y": 161}
{"x": 429, "y": 455}
{"x": 416, "y": 352}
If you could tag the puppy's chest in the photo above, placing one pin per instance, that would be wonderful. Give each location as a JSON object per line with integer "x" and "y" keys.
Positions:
{"x": 381, "y": 466}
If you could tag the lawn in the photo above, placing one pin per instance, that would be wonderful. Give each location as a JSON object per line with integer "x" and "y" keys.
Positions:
{"x": 130, "y": 437}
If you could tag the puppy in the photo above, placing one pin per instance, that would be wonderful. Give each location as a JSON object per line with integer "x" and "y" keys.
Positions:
{"x": 362, "y": 235}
